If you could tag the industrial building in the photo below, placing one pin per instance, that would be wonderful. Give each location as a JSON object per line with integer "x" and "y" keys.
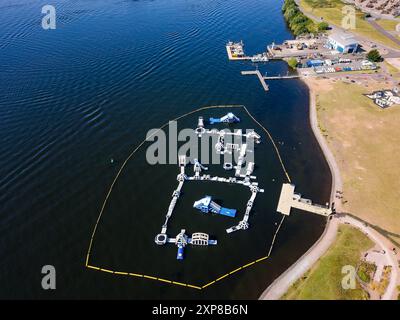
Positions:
{"x": 342, "y": 42}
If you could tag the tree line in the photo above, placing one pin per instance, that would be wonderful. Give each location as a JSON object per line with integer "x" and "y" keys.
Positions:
{"x": 300, "y": 23}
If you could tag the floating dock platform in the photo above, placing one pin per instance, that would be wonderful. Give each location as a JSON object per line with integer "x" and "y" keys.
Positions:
{"x": 235, "y": 51}
{"x": 260, "y": 77}
{"x": 289, "y": 199}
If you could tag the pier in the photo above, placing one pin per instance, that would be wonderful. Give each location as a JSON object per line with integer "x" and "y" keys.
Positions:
{"x": 235, "y": 51}
{"x": 264, "y": 78}
{"x": 260, "y": 77}
{"x": 288, "y": 199}
{"x": 296, "y": 76}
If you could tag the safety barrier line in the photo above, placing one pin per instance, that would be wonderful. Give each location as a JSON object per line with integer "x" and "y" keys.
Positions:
{"x": 164, "y": 280}
{"x": 220, "y": 278}
{"x": 176, "y": 282}
{"x": 92, "y": 267}
{"x": 106, "y": 270}
{"x": 276, "y": 233}
{"x": 236, "y": 270}
{"x": 120, "y": 171}
{"x": 179, "y": 283}
{"x": 261, "y": 259}
{"x": 130, "y": 156}
{"x": 194, "y": 287}
{"x": 249, "y": 264}
{"x": 273, "y": 143}
{"x": 208, "y": 284}
{"x": 135, "y": 275}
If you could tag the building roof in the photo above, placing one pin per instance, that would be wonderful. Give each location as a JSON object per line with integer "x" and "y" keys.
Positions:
{"x": 343, "y": 38}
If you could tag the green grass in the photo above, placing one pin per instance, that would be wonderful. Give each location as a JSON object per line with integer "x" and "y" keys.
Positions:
{"x": 365, "y": 271}
{"x": 389, "y": 25}
{"x": 331, "y": 11}
{"x": 323, "y": 280}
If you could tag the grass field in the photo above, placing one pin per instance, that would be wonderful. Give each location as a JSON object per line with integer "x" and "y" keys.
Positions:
{"x": 389, "y": 25}
{"x": 331, "y": 11}
{"x": 365, "y": 142}
{"x": 323, "y": 280}
{"x": 392, "y": 70}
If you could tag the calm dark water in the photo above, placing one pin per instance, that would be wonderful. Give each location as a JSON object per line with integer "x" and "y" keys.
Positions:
{"x": 76, "y": 97}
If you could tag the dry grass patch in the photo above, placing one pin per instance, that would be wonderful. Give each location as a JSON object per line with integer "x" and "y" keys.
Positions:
{"x": 365, "y": 142}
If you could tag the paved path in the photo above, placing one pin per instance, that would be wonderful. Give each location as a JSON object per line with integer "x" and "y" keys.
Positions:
{"x": 385, "y": 245}
{"x": 337, "y": 184}
{"x": 283, "y": 283}
{"x": 291, "y": 275}
{"x": 383, "y": 31}
{"x": 391, "y": 52}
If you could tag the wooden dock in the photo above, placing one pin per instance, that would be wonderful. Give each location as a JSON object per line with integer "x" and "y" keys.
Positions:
{"x": 282, "y": 77}
{"x": 289, "y": 199}
{"x": 260, "y": 77}
{"x": 230, "y": 57}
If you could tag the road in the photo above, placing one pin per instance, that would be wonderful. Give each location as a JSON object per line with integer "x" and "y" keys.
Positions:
{"x": 390, "y": 52}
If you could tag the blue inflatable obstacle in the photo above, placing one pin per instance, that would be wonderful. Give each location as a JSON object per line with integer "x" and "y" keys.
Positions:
{"x": 206, "y": 205}
{"x": 228, "y": 118}
{"x": 179, "y": 256}
{"x": 197, "y": 239}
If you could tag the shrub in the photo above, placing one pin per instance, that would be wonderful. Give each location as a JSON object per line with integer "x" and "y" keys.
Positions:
{"x": 322, "y": 26}
{"x": 292, "y": 62}
{"x": 374, "y": 56}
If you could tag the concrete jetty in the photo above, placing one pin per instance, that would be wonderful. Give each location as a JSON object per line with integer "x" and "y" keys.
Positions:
{"x": 288, "y": 199}
{"x": 260, "y": 77}
{"x": 282, "y": 77}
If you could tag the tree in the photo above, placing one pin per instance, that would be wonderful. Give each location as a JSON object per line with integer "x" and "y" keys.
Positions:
{"x": 292, "y": 62}
{"x": 322, "y": 26}
{"x": 374, "y": 56}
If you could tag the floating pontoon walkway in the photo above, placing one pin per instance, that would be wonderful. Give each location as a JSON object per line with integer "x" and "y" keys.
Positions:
{"x": 232, "y": 47}
{"x": 289, "y": 199}
{"x": 260, "y": 77}
{"x": 296, "y": 76}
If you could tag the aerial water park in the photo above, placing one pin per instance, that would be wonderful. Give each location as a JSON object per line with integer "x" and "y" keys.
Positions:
{"x": 206, "y": 205}
{"x": 242, "y": 176}
{"x": 211, "y": 212}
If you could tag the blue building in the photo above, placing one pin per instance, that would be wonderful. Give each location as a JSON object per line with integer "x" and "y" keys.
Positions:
{"x": 314, "y": 63}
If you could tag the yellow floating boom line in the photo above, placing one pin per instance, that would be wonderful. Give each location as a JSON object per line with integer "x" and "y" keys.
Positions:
{"x": 89, "y": 251}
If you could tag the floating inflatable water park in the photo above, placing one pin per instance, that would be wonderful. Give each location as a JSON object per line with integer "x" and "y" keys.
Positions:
{"x": 239, "y": 172}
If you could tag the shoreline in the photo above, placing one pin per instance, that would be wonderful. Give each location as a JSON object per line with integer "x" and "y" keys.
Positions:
{"x": 281, "y": 284}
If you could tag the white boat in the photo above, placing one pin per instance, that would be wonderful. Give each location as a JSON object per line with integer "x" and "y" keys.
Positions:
{"x": 259, "y": 58}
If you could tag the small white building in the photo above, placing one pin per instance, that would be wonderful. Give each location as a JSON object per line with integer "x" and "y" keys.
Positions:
{"x": 342, "y": 42}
